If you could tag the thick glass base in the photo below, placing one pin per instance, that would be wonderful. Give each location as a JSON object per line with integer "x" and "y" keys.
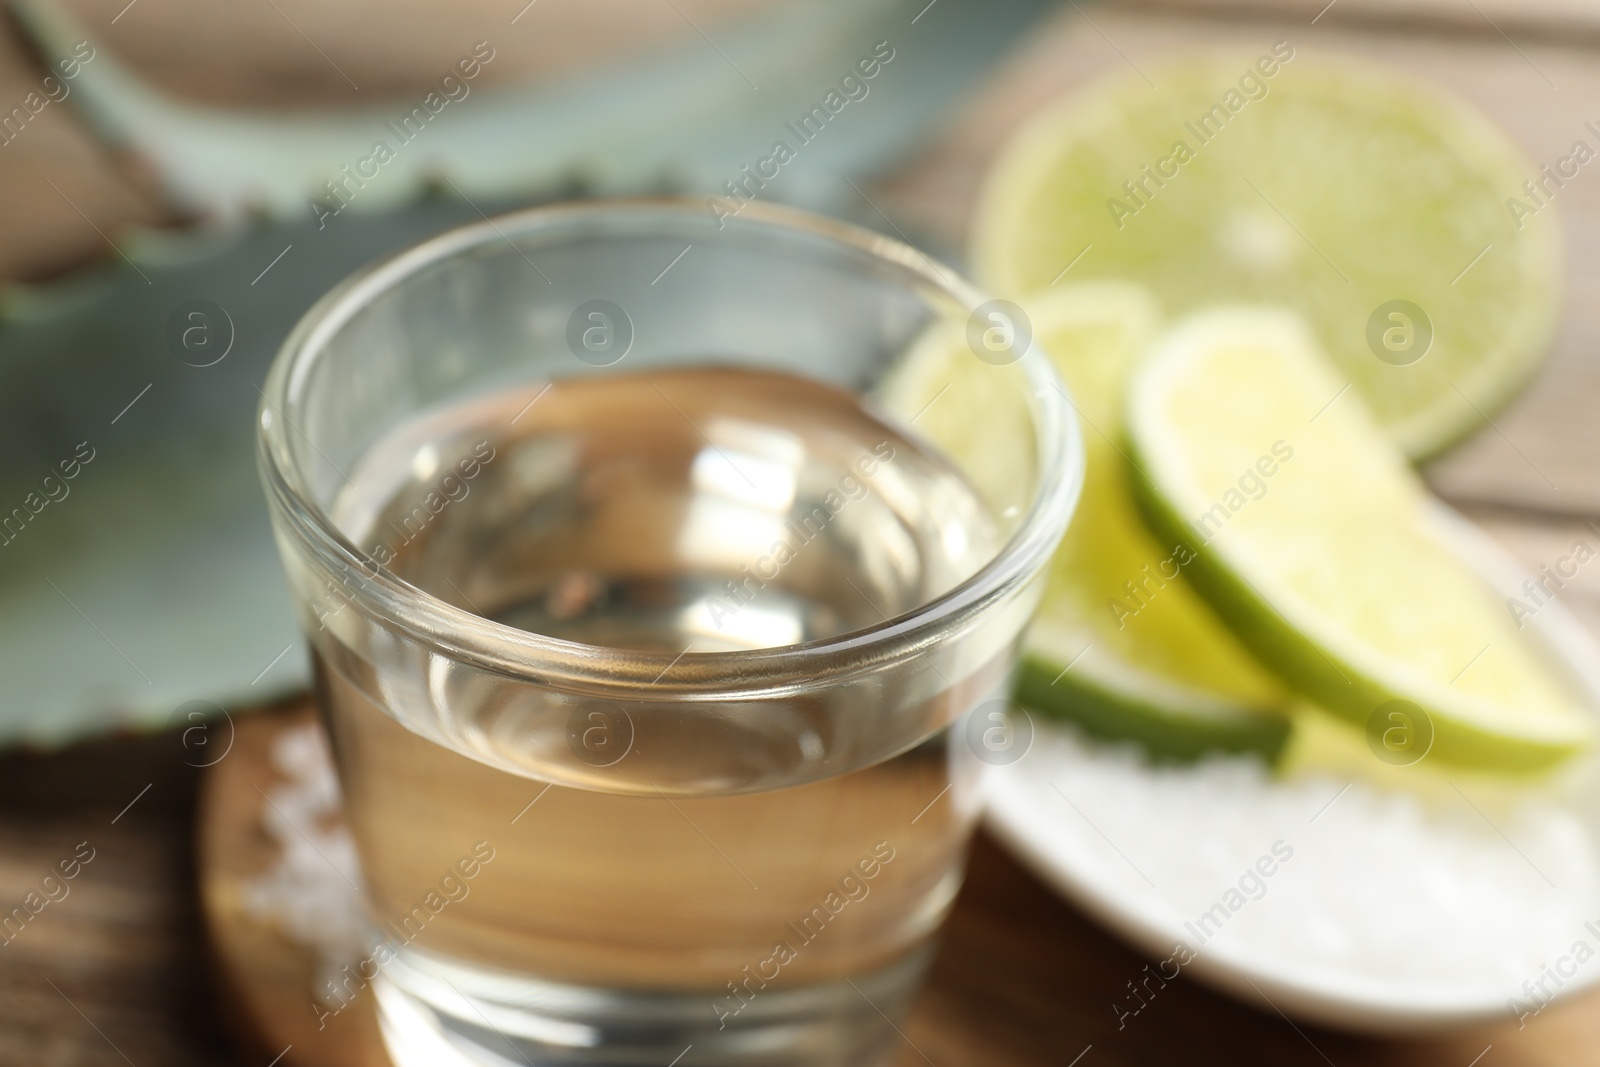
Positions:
{"x": 439, "y": 1013}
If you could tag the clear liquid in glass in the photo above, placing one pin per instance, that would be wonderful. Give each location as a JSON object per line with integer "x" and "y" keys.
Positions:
{"x": 645, "y": 511}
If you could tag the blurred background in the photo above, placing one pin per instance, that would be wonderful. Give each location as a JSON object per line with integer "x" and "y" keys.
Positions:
{"x": 169, "y": 209}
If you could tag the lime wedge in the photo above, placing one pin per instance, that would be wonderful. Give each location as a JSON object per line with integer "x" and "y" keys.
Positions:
{"x": 1122, "y": 644}
{"x": 1394, "y": 220}
{"x": 1315, "y": 544}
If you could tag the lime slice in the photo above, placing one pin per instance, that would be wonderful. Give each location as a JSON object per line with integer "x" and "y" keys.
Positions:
{"x": 1315, "y": 542}
{"x": 1122, "y": 644}
{"x": 1385, "y": 214}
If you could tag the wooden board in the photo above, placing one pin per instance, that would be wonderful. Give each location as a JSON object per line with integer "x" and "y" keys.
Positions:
{"x": 1519, "y": 20}
{"x": 118, "y": 971}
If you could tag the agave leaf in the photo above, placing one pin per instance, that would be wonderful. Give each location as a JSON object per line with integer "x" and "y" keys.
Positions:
{"x": 689, "y": 111}
{"x": 152, "y": 580}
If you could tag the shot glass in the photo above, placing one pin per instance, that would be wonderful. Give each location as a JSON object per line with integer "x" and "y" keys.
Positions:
{"x": 644, "y": 633}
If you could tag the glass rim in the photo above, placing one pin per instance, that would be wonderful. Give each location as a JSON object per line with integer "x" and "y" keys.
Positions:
{"x": 523, "y": 654}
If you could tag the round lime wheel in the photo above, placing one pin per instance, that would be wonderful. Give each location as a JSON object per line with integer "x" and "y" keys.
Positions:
{"x": 1393, "y": 219}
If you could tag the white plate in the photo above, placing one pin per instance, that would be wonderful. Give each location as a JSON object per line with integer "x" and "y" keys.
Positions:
{"x": 1051, "y": 808}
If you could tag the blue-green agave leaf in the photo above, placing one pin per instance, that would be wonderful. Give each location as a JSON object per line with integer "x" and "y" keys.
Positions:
{"x": 147, "y": 578}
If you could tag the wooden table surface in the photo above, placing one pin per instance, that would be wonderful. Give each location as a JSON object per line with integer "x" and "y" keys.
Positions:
{"x": 116, "y": 972}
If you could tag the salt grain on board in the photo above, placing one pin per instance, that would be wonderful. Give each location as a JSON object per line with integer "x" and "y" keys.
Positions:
{"x": 312, "y": 891}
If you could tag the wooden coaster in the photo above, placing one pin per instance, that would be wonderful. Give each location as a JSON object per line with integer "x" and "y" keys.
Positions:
{"x": 266, "y": 978}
